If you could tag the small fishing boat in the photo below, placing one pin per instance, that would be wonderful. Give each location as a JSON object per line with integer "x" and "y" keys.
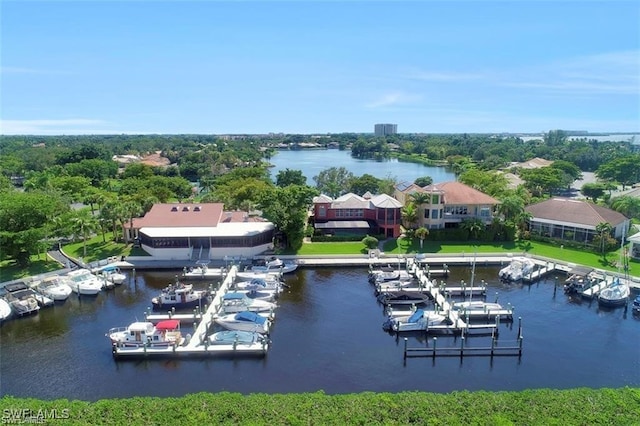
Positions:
{"x": 274, "y": 266}
{"x": 388, "y": 274}
{"x": 244, "y": 321}
{"x": 477, "y": 305}
{"x": 615, "y": 295}
{"x": 238, "y": 337}
{"x": 55, "y": 287}
{"x": 420, "y": 320}
{"x": 179, "y": 296}
{"x": 112, "y": 274}
{"x": 165, "y": 333}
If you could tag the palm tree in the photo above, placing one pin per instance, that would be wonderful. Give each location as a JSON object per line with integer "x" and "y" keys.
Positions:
{"x": 627, "y": 205}
{"x": 473, "y": 227}
{"x": 409, "y": 214}
{"x": 83, "y": 224}
{"x": 422, "y": 233}
{"x": 419, "y": 199}
{"x": 131, "y": 210}
{"x": 511, "y": 207}
{"x": 522, "y": 220}
{"x": 603, "y": 229}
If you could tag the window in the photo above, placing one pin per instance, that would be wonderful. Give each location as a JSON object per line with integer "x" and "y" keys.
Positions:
{"x": 426, "y": 213}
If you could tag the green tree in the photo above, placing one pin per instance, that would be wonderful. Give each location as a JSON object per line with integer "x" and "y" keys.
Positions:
{"x": 542, "y": 180}
{"x": 603, "y": 230}
{"x": 409, "y": 215}
{"x": 627, "y": 205}
{"x": 363, "y": 184}
{"x": 333, "y": 181}
{"x": 510, "y": 207}
{"x": 624, "y": 170}
{"x": 288, "y": 177}
{"x": 83, "y": 225}
{"x": 370, "y": 242}
{"x": 423, "y": 181}
{"x": 570, "y": 172}
{"x": 422, "y": 233}
{"x": 593, "y": 190}
{"x": 473, "y": 227}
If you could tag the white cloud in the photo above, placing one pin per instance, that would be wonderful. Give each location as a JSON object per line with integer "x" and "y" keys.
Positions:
{"x": 394, "y": 99}
{"x": 72, "y": 126}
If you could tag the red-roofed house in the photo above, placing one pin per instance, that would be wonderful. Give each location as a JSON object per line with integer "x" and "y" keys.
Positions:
{"x": 198, "y": 231}
{"x": 575, "y": 220}
{"x": 450, "y": 203}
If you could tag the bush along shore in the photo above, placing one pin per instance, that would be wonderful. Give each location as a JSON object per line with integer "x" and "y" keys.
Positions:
{"x": 580, "y": 406}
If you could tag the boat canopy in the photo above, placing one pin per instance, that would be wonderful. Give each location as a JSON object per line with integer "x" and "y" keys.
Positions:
{"x": 141, "y": 326}
{"x": 250, "y": 317}
{"x": 234, "y": 296}
{"x": 168, "y": 325}
{"x": 417, "y": 315}
{"x": 258, "y": 282}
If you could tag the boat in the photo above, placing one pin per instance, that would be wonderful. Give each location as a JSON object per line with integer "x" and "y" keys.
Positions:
{"x": 55, "y": 287}
{"x": 244, "y": 321}
{"x": 387, "y": 274}
{"x": 21, "y": 301}
{"x": 5, "y": 309}
{"x": 237, "y": 337}
{"x": 420, "y": 320}
{"x": 276, "y": 266}
{"x": 202, "y": 272}
{"x": 635, "y": 306}
{"x": 579, "y": 282}
{"x": 396, "y": 285}
{"x": 249, "y": 275}
{"x": 179, "y": 296}
{"x": 614, "y": 295}
{"x": 517, "y": 269}
{"x": 23, "y": 290}
{"x": 477, "y": 305}
{"x": 112, "y": 274}
{"x": 403, "y": 298}
{"x": 238, "y": 302}
{"x": 165, "y": 333}
{"x": 83, "y": 282}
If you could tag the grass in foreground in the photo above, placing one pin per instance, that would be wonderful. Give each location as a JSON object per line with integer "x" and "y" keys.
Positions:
{"x": 530, "y": 407}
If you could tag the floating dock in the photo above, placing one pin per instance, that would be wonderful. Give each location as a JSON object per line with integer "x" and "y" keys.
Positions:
{"x": 595, "y": 289}
{"x": 198, "y": 344}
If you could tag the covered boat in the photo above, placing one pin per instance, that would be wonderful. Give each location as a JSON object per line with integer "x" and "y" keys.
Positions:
{"x": 22, "y": 291}
{"x": 112, "y": 274}
{"x": 230, "y": 337}
{"x": 238, "y": 302}
{"x": 616, "y": 295}
{"x": 21, "y": 301}
{"x": 165, "y": 333}
{"x": 5, "y": 310}
{"x": 244, "y": 321}
{"x": 477, "y": 305}
{"x": 519, "y": 268}
{"x": 403, "y": 298}
{"x": 274, "y": 266}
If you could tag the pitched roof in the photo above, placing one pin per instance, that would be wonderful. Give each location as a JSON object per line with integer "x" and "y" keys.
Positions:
{"x": 534, "y": 163}
{"x": 408, "y": 187}
{"x": 386, "y": 201}
{"x": 459, "y": 193}
{"x": 322, "y": 198}
{"x": 574, "y": 211}
{"x": 350, "y": 201}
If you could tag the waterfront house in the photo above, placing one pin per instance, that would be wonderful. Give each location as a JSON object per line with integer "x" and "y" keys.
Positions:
{"x": 199, "y": 231}
{"x": 573, "y": 220}
{"x": 352, "y": 214}
{"x": 447, "y": 204}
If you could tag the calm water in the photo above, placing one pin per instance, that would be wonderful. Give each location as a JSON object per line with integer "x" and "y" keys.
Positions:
{"x": 312, "y": 162}
{"x": 327, "y": 336}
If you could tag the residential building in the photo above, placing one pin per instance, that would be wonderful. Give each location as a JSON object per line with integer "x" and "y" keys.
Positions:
{"x": 447, "y": 204}
{"x": 574, "y": 220}
{"x": 198, "y": 231}
{"x": 354, "y": 214}
{"x": 385, "y": 129}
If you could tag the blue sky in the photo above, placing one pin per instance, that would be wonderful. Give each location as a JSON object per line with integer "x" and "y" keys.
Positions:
{"x": 90, "y": 67}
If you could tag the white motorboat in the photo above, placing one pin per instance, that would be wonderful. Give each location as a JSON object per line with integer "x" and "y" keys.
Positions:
{"x": 180, "y": 296}
{"x": 5, "y": 309}
{"x": 615, "y": 295}
{"x": 420, "y": 320}
{"x": 83, "y": 282}
{"x": 477, "y": 305}
{"x": 112, "y": 274}
{"x": 238, "y": 337}
{"x": 238, "y": 302}
{"x": 202, "y": 272}
{"x": 275, "y": 266}
{"x": 244, "y": 321}
{"x": 387, "y": 274}
{"x": 519, "y": 268}
{"x": 259, "y": 284}
{"x": 165, "y": 333}
{"x": 249, "y": 275}
{"x": 21, "y": 301}
{"x": 55, "y": 287}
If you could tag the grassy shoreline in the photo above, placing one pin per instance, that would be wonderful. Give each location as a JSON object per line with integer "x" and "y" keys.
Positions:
{"x": 581, "y": 406}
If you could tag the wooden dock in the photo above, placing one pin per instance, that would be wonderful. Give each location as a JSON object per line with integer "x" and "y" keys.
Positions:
{"x": 595, "y": 289}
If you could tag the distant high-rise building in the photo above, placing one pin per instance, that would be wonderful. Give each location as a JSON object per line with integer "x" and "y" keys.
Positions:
{"x": 385, "y": 129}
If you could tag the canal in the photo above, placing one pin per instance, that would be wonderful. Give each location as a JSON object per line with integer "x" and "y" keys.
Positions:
{"x": 327, "y": 337}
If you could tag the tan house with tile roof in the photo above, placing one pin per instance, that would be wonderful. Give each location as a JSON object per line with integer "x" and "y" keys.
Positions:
{"x": 200, "y": 231}
{"x": 575, "y": 220}
{"x": 450, "y": 203}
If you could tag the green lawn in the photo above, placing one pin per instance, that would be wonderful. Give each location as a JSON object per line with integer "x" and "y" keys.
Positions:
{"x": 97, "y": 249}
